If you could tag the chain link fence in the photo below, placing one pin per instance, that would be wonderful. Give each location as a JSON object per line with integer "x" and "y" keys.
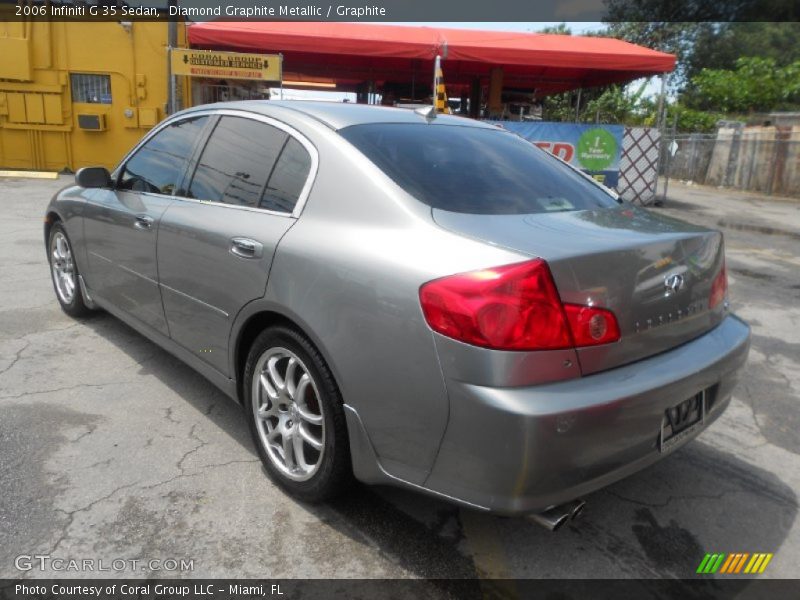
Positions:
{"x": 759, "y": 159}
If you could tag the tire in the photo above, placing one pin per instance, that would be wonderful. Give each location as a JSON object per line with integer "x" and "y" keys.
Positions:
{"x": 296, "y": 416}
{"x": 64, "y": 273}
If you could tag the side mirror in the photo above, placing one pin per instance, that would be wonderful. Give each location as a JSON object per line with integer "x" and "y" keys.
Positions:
{"x": 93, "y": 177}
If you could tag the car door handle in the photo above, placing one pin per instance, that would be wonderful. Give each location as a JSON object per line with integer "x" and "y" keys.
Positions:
{"x": 246, "y": 248}
{"x": 143, "y": 222}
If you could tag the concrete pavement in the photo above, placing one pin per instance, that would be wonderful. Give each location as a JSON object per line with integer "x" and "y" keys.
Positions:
{"x": 111, "y": 448}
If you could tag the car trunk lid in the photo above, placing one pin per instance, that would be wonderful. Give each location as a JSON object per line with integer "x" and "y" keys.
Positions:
{"x": 654, "y": 272}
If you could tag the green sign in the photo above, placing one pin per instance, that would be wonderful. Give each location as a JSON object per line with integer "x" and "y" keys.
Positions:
{"x": 597, "y": 149}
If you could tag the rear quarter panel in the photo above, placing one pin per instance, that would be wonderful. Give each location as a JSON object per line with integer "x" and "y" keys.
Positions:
{"x": 349, "y": 272}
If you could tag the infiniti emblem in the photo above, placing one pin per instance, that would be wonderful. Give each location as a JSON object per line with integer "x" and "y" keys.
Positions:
{"x": 673, "y": 283}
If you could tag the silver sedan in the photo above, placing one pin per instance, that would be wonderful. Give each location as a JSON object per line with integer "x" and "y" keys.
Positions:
{"x": 425, "y": 302}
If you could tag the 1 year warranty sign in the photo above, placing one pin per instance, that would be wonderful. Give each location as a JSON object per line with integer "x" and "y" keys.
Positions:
{"x": 226, "y": 65}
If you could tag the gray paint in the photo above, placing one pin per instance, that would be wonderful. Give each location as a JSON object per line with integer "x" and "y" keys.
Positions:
{"x": 423, "y": 411}
{"x": 516, "y": 450}
{"x": 120, "y": 229}
{"x": 203, "y": 283}
{"x": 617, "y": 258}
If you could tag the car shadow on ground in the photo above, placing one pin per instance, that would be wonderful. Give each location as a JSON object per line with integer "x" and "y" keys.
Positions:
{"x": 655, "y": 524}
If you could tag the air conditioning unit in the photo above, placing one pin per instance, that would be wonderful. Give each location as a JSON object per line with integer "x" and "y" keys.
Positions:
{"x": 92, "y": 122}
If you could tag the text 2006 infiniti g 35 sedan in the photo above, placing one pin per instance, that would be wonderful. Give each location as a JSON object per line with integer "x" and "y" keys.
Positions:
{"x": 433, "y": 303}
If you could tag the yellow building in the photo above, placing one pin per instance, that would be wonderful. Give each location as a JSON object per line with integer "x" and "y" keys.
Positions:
{"x": 74, "y": 94}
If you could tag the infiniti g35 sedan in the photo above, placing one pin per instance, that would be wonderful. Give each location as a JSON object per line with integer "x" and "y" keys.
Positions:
{"x": 433, "y": 303}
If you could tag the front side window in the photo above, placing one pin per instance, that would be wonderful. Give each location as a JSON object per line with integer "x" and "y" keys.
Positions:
{"x": 90, "y": 88}
{"x": 157, "y": 166}
{"x": 237, "y": 161}
{"x": 474, "y": 170}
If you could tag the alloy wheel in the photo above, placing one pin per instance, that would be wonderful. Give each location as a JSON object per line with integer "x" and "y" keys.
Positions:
{"x": 288, "y": 414}
{"x": 63, "y": 267}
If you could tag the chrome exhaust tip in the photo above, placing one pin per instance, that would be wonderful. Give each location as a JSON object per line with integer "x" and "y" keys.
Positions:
{"x": 554, "y": 518}
{"x": 577, "y": 508}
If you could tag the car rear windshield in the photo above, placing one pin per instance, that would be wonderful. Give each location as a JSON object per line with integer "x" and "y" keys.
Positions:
{"x": 475, "y": 170}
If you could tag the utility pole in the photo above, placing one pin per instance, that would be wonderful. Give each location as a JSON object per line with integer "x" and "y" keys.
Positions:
{"x": 172, "y": 42}
{"x": 669, "y": 160}
{"x": 660, "y": 124}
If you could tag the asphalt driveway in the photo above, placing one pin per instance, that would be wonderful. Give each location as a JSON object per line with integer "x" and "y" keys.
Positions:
{"x": 110, "y": 448}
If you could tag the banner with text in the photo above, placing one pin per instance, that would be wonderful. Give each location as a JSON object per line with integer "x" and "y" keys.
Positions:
{"x": 226, "y": 65}
{"x": 594, "y": 149}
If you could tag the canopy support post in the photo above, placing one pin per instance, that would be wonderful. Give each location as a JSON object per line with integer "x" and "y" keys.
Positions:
{"x": 475, "y": 98}
{"x": 413, "y": 80}
{"x": 437, "y": 67}
{"x": 578, "y": 105}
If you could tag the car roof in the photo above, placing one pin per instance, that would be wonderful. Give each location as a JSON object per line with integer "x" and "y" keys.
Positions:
{"x": 338, "y": 115}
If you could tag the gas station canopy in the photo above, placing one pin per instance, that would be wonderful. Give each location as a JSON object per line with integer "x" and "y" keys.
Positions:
{"x": 347, "y": 54}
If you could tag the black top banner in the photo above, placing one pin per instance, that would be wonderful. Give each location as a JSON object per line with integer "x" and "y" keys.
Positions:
{"x": 405, "y": 10}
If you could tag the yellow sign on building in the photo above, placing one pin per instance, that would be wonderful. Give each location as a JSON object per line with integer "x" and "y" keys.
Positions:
{"x": 226, "y": 65}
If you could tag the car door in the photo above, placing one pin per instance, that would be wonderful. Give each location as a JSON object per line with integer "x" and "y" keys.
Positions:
{"x": 216, "y": 245}
{"x": 121, "y": 224}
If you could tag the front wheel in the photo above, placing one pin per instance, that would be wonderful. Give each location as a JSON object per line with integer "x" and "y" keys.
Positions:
{"x": 296, "y": 416}
{"x": 64, "y": 273}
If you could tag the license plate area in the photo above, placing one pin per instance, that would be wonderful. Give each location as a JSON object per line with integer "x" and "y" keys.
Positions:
{"x": 681, "y": 421}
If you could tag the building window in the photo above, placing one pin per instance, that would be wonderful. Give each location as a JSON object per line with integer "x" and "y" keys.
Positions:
{"x": 91, "y": 89}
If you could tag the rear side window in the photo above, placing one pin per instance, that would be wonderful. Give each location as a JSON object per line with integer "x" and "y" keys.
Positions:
{"x": 474, "y": 170}
{"x": 237, "y": 161}
{"x": 157, "y": 166}
{"x": 288, "y": 178}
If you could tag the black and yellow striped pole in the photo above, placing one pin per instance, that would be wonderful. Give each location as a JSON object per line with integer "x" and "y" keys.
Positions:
{"x": 440, "y": 96}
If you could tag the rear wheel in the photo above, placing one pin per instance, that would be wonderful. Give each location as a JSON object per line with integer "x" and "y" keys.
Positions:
{"x": 296, "y": 415}
{"x": 64, "y": 273}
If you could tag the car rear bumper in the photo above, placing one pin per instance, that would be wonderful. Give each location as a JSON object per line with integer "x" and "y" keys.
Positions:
{"x": 523, "y": 449}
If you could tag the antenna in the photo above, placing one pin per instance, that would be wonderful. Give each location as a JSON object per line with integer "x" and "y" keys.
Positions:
{"x": 429, "y": 112}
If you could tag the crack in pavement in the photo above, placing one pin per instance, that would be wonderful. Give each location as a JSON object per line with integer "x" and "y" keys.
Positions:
{"x": 194, "y": 436}
{"x": 63, "y": 389}
{"x": 70, "y": 514}
{"x": 17, "y": 358}
{"x": 91, "y": 430}
{"x": 168, "y": 416}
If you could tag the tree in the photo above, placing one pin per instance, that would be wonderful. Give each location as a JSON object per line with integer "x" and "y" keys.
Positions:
{"x": 707, "y": 35}
{"x": 560, "y": 29}
{"x": 618, "y": 105}
{"x": 756, "y": 84}
{"x": 692, "y": 121}
{"x": 720, "y": 45}
{"x": 674, "y": 38}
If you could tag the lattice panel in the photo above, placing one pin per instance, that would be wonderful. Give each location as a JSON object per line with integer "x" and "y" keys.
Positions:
{"x": 638, "y": 165}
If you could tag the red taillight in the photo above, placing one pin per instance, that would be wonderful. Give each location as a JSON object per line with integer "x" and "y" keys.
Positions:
{"x": 514, "y": 307}
{"x": 591, "y": 325}
{"x": 719, "y": 288}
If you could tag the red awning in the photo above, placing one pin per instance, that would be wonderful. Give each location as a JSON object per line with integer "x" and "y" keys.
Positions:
{"x": 348, "y": 52}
